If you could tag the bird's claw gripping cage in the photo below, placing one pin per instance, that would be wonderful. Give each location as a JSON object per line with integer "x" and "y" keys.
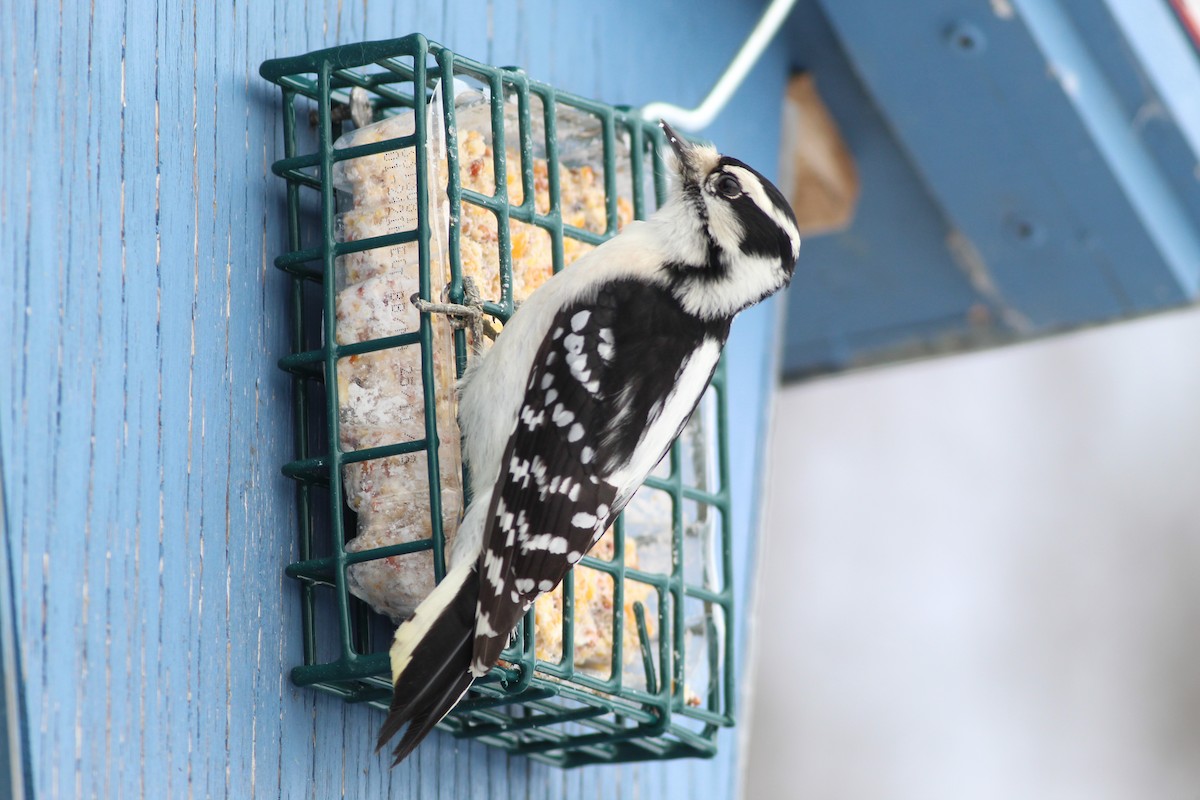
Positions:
{"x": 667, "y": 698}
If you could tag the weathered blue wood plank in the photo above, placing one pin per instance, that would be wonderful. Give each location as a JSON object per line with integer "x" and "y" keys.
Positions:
{"x": 1045, "y": 152}
{"x": 889, "y": 282}
{"x": 145, "y": 419}
{"x": 1152, "y": 71}
{"x": 1032, "y": 154}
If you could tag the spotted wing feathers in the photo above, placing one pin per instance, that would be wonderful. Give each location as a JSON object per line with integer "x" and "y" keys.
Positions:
{"x": 551, "y": 504}
{"x": 608, "y": 375}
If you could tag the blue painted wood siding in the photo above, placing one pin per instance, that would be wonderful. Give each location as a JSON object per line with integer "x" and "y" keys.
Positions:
{"x": 1027, "y": 167}
{"x": 144, "y": 421}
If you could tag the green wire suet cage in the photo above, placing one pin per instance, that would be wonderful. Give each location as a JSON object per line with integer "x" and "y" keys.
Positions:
{"x": 667, "y": 698}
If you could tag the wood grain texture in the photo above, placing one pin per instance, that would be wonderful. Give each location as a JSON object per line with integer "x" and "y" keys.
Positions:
{"x": 145, "y": 421}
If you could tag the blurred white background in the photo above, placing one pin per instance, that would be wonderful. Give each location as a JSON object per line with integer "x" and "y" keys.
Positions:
{"x": 981, "y": 576}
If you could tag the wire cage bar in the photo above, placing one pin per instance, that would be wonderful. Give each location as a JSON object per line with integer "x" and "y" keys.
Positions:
{"x": 669, "y": 683}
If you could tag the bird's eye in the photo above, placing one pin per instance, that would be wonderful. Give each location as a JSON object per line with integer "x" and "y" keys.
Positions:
{"x": 728, "y": 186}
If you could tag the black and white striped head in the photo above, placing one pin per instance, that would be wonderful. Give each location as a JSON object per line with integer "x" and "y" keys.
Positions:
{"x": 734, "y": 239}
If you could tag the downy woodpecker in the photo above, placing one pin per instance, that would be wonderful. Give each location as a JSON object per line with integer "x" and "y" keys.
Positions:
{"x": 576, "y": 402}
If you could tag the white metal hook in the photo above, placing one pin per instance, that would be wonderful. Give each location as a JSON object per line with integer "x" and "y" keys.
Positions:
{"x": 700, "y": 117}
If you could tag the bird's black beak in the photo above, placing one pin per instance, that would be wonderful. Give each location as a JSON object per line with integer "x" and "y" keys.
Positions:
{"x": 682, "y": 149}
{"x": 673, "y": 138}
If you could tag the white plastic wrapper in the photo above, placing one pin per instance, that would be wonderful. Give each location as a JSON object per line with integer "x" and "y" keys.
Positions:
{"x": 380, "y": 395}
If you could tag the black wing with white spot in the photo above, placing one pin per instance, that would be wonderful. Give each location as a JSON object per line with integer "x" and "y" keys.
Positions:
{"x": 598, "y": 381}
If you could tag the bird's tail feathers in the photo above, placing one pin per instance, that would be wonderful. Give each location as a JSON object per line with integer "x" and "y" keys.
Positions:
{"x": 431, "y": 659}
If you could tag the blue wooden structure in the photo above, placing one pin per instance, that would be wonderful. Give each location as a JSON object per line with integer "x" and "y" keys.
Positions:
{"x": 1027, "y": 166}
{"x": 143, "y": 417}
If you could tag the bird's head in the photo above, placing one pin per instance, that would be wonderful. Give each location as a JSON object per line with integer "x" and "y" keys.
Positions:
{"x": 733, "y": 237}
